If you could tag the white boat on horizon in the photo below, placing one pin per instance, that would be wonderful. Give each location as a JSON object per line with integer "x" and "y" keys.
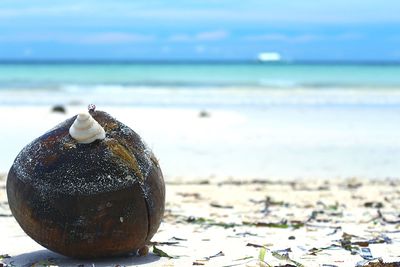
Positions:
{"x": 269, "y": 57}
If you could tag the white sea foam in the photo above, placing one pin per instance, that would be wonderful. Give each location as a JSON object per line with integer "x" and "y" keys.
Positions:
{"x": 201, "y": 97}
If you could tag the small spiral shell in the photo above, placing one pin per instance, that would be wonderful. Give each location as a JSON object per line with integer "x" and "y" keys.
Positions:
{"x": 85, "y": 129}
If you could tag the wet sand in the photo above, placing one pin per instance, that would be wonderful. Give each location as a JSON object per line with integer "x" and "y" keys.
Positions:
{"x": 346, "y": 222}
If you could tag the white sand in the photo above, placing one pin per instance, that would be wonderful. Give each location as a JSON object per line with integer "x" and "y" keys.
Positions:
{"x": 278, "y": 142}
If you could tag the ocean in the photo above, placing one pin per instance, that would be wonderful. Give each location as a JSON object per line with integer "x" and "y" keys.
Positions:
{"x": 218, "y": 84}
{"x": 285, "y": 75}
{"x": 264, "y": 120}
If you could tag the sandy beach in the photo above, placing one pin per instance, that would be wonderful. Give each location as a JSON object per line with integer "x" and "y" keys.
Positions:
{"x": 274, "y": 142}
{"x": 300, "y": 223}
{"x": 237, "y": 214}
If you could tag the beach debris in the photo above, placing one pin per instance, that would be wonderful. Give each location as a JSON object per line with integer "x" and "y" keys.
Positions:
{"x": 261, "y": 254}
{"x": 283, "y": 224}
{"x": 373, "y": 204}
{"x": 334, "y": 207}
{"x": 161, "y": 253}
{"x": 166, "y": 243}
{"x": 346, "y": 243}
{"x": 324, "y": 215}
{"x": 366, "y": 253}
{"x": 254, "y": 245}
{"x": 220, "y": 206}
{"x": 335, "y": 230}
{"x": 244, "y": 234}
{"x": 194, "y": 195}
{"x": 314, "y": 251}
{"x": 269, "y": 202}
{"x": 380, "y": 239}
{"x": 282, "y": 255}
{"x": 204, "y": 114}
{"x": 319, "y": 243}
{"x": 384, "y": 219}
{"x": 85, "y": 129}
{"x": 95, "y": 199}
{"x": 50, "y": 262}
{"x": 59, "y": 109}
{"x": 380, "y": 263}
{"x": 208, "y": 258}
{"x": 243, "y": 258}
{"x": 219, "y": 254}
{"x": 178, "y": 238}
{"x": 353, "y": 183}
{"x": 209, "y": 222}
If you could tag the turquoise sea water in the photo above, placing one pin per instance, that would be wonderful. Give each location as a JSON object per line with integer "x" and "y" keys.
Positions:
{"x": 199, "y": 75}
{"x": 198, "y": 84}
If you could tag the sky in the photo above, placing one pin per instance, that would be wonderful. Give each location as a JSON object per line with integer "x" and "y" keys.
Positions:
{"x": 336, "y": 30}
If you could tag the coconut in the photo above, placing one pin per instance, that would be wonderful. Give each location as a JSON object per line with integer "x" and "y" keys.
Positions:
{"x": 89, "y": 187}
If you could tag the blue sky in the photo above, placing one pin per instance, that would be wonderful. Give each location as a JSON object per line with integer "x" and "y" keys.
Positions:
{"x": 200, "y": 30}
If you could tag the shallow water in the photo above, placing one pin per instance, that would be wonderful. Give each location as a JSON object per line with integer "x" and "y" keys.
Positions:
{"x": 60, "y": 75}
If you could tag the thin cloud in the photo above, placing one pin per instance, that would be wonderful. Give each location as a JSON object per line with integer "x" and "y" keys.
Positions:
{"x": 252, "y": 11}
{"x": 180, "y": 38}
{"x": 41, "y": 11}
{"x": 349, "y": 36}
{"x": 90, "y": 38}
{"x": 212, "y": 36}
{"x": 201, "y": 36}
{"x": 303, "y": 38}
{"x": 267, "y": 37}
{"x": 115, "y": 38}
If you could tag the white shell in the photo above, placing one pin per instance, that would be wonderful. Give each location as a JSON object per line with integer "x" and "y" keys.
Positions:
{"x": 85, "y": 129}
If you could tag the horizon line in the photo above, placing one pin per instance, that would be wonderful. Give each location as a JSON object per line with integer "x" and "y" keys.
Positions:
{"x": 196, "y": 61}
